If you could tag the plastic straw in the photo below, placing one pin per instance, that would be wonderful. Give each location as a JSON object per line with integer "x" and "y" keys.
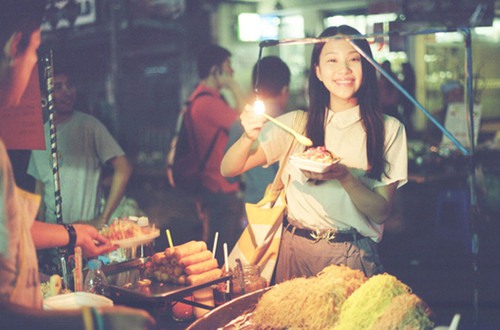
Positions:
{"x": 226, "y": 265}
{"x": 169, "y": 238}
{"x": 226, "y": 262}
{"x": 214, "y": 248}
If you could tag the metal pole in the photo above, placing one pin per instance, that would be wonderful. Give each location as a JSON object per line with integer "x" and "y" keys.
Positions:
{"x": 49, "y": 76}
{"x": 474, "y": 210}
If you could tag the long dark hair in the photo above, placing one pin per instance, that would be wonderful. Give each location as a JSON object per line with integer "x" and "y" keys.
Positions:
{"x": 367, "y": 95}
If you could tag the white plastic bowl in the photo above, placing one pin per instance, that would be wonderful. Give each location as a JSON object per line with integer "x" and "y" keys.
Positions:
{"x": 309, "y": 165}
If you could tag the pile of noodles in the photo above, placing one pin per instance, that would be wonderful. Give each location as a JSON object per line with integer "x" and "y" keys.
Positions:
{"x": 382, "y": 302}
{"x": 307, "y": 303}
{"x": 405, "y": 311}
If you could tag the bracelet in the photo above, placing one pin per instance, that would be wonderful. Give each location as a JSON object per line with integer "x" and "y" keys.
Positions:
{"x": 72, "y": 237}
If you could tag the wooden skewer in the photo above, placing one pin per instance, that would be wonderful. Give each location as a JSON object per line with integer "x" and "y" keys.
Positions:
{"x": 304, "y": 140}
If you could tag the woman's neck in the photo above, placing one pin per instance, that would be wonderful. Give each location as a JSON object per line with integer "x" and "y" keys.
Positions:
{"x": 342, "y": 105}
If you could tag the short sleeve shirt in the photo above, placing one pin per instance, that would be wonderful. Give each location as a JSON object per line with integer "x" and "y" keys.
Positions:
{"x": 19, "y": 279}
{"x": 327, "y": 206}
{"x": 83, "y": 145}
{"x": 211, "y": 116}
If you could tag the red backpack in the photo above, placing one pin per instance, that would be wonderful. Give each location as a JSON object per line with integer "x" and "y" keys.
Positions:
{"x": 185, "y": 165}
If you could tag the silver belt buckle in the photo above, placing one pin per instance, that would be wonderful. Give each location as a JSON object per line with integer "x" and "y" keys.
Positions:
{"x": 328, "y": 235}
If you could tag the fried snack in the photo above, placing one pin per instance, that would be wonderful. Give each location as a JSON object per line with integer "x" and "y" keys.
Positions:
{"x": 369, "y": 302}
{"x": 165, "y": 269}
{"x": 406, "y": 311}
{"x": 307, "y": 303}
{"x": 195, "y": 258}
{"x": 186, "y": 249}
{"x": 206, "y": 276}
{"x": 175, "y": 264}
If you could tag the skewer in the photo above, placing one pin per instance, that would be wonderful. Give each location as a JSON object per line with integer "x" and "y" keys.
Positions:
{"x": 169, "y": 238}
{"x": 226, "y": 266}
{"x": 259, "y": 109}
{"x": 214, "y": 248}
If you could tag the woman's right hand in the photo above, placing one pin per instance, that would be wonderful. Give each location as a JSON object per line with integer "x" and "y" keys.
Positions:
{"x": 252, "y": 122}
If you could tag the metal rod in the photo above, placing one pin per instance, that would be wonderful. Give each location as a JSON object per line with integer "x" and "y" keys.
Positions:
{"x": 474, "y": 239}
{"x": 412, "y": 99}
{"x": 49, "y": 76}
{"x": 300, "y": 41}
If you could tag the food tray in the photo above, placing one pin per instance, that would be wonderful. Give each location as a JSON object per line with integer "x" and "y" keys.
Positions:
{"x": 123, "y": 285}
{"x": 309, "y": 165}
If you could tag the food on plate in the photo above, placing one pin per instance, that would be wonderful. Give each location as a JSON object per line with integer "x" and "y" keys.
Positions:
{"x": 187, "y": 249}
{"x": 53, "y": 287}
{"x": 125, "y": 228}
{"x": 311, "y": 303}
{"x": 177, "y": 264}
{"x": 318, "y": 154}
{"x": 201, "y": 267}
{"x": 206, "y": 276}
{"x": 165, "y": 269}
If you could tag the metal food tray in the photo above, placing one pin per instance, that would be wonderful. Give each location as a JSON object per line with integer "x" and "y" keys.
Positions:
{"x": 128, "y": 274}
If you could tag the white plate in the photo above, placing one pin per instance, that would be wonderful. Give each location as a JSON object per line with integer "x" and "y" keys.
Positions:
{"x": 135, "y": 241}
{"x": 309, "y": 165}
{"x": 76, "y": 300}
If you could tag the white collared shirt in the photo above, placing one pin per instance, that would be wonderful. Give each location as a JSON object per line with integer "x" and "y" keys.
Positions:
{"x": 327, "y": 206}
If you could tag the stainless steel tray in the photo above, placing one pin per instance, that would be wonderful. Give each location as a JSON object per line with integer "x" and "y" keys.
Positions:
{"x": 123, "y": 285}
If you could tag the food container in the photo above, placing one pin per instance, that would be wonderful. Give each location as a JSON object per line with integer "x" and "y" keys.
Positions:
{"x": 76, "y": 300}
{"x": 249, "y": 281}
{"x": 309, "y": 165}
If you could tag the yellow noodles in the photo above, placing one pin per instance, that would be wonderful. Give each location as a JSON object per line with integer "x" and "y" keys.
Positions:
{"x": 407, "y": 312}
{"x": 307, "y": 303}
{"x": 368, "y": 303}
{"x": 340, "y": 298}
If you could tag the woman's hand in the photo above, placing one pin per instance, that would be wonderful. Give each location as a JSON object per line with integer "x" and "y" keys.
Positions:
{"x": 91, "y": 241}
{"x": 336, "y": 172}
{"x": 252, "y": 123}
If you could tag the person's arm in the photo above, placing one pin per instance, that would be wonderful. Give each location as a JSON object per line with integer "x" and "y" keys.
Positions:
{"x": 39, "y": 190}
{"x": 375, "y": 204}
{"x": 48, "y": 235}
{"x": 243, "y": 155}
{"x": 122, "y": 169}
{"x": 116, "y": 317}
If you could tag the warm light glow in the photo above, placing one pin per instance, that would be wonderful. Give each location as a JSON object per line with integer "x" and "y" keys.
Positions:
{"x": 259, "y": 107}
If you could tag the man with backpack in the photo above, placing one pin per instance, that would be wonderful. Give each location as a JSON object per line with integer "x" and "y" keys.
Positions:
{"x": 207, "y": 120}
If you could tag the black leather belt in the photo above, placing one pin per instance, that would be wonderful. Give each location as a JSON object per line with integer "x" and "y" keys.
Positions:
{"x": 333, "y": 237}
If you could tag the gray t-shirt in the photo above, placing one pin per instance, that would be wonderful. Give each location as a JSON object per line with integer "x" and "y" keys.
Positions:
{"x": 84, "y": 145}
